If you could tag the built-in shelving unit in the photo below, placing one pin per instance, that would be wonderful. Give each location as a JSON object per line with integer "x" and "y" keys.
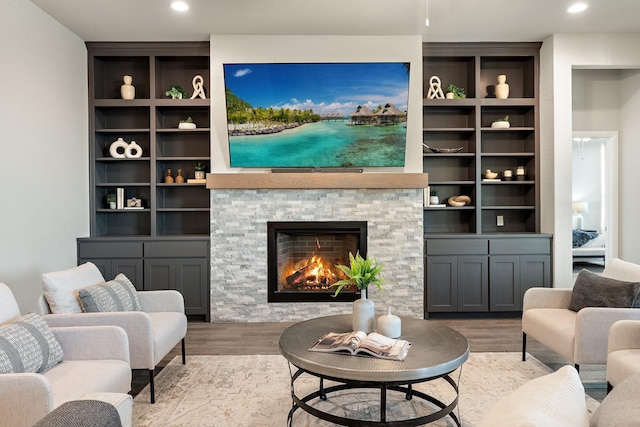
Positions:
{"x": 473, "y": 264}
{"x": 466, "y": 123}
{"x": 164, "y": 245}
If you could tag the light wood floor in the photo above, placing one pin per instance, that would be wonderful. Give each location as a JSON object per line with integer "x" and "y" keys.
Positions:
{"x": 484, "y": 335}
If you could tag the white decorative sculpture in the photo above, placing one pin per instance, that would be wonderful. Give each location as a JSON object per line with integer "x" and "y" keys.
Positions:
{"x": 435, "y": 88}
{"x": 133, "y": 151}
{"x": 198, "y": 88}
{"x": 118, "y": 149}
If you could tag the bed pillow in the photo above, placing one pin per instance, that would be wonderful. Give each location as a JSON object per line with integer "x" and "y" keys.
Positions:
{"x": 28, "y": 345}
{"x": 593, "y": 290}
{"x": 118, "y": 294}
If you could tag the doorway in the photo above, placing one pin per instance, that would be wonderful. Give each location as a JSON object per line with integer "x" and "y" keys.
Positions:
{"x": 594, "y": 197}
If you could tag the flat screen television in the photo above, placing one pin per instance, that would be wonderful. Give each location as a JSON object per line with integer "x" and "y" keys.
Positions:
{"x": 317, "y": 115}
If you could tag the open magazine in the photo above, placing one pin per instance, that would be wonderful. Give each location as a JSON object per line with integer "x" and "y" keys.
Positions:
{"x": 373, "y": 344}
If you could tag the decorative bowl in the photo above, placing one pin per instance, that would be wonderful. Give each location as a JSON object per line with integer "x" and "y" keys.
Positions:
{"x": 442, "y": 150}
{"x": 186, "y": 125}
{"x": 500, "y": 125}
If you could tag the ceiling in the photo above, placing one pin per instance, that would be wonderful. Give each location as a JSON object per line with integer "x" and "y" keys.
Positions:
{"x": 450, "y": 20}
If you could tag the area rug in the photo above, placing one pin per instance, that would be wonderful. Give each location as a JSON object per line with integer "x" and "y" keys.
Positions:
{"x": 254, "y": 391}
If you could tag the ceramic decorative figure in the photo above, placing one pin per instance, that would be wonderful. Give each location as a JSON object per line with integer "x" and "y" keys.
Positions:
{"x": 133, "y": 151}
{"x": 435, "y": 88}
{"x": 168, "y": 179}
{"x": 127, "y": 90}
{"x": 118, "y": 148}
{"x": 389, "y": 325}
{"x": 502, "y": 88}
{"x": 198, "y": 88}
{"x": 179, "y": 178}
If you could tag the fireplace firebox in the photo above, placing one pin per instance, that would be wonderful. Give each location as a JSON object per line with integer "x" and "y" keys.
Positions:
{"x": 302, "y": 259}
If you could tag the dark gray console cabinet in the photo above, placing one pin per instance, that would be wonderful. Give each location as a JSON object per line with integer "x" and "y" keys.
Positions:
{"x": 484, "y": 273}
{"x": 154, "y": 264}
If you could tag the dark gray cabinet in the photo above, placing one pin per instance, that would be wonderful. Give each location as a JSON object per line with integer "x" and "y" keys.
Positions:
{"x": 487, "y": 273}
{"x": 181, "y": 264}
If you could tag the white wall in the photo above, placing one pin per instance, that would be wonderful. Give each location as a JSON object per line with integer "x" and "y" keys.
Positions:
{"x": 43, "y": 146}
{"x": 239, "y": 49}
{"x": 560, "y": 54}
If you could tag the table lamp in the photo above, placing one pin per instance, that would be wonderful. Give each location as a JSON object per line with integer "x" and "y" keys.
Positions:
{"x": 580, "y": 208}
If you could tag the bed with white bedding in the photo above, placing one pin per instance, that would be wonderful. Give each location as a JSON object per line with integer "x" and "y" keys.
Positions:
{"x": 584, "y": 247}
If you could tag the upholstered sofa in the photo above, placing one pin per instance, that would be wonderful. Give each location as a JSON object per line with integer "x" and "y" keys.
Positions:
{"x": 153, "y": 331}
{"x": 94, "y": 360}
{"x": 580, "y": 336}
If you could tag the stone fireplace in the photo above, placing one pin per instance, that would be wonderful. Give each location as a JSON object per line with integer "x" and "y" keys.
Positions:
{"x": 239, "y": 255}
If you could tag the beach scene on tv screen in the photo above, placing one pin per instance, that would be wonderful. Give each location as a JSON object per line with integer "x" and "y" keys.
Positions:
{"x": 317, "y": 114}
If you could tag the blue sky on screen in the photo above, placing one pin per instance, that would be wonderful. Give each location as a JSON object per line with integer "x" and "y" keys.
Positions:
{"x": 322, "y": 87}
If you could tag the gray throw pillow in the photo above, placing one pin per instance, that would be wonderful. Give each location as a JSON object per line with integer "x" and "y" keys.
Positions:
{"x": 593, "y": 290}
{"x": 28, "y": 345}
{"x": 118, "y": 294}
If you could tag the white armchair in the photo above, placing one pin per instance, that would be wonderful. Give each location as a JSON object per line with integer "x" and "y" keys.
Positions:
{"x": 581, "y": 337}
{"x": 623, "y": 360}
{"x": 152, "y": 332}
{"x": 95, "y": 360}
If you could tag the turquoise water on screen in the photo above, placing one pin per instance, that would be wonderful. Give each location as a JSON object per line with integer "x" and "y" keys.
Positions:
{"x": 322, "y": 144}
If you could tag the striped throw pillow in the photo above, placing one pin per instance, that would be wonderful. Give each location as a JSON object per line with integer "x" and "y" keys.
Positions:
{"x": 28, "y": 345}
{"x": 118, "y": 294}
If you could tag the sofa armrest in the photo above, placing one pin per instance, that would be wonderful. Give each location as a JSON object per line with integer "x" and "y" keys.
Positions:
{"x": 24, "y": 398}
{"x": 93, "y": 342}
{"x": 592, "y": 331}
{"x": 546, "y": 298}
{"x": 137, "y": 325}
{"x": 624, "y": 334}
{"x": 158, "y": 301}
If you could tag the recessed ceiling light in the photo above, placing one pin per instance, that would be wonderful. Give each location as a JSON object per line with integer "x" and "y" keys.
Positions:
{"x": 179, "y": 6}
{"x": 577, "y": 7}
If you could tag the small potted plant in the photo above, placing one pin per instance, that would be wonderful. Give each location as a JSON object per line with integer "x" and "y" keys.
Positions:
{"x": 361, "y": 273}
{"x": 199, "y": 170}
{"x": 187, "y": 124}
{"x": 433, "y": 196}
{"x": 111, "y": 200}
{"x": 502, "y": 123}
{"x": 455, "y": 92}
{"x": 176, "y": 92}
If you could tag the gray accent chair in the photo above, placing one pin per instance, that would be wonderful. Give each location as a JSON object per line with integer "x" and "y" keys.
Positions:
{"x": 153, "y": 332}
{"x": 581, "y": 337}
{"x": 95, "y": 360}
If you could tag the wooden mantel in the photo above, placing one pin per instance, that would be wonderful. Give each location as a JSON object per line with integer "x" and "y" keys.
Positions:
{"x": 315, "y": 180}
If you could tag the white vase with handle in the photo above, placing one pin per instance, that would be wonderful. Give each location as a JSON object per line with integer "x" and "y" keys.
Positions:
{"x": 364, "y": 315}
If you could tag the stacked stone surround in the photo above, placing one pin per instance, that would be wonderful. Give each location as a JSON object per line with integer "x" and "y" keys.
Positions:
{"x": 239, "y": 248}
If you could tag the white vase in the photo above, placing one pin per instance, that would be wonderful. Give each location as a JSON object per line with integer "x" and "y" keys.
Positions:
{"x": 127, "y": 91}
{"x": 502, "y": 88}
{"x": 199, "y": 174}
{"x": 389, "y": 325}
{"x": 364, "y": 315}
{"x": 133, "y": 151}
{"x": 434, "y": 200}
{"x": 118, "y": 148}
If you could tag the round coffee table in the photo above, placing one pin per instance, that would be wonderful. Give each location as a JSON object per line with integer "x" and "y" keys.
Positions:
{"x": 436, "y": 351}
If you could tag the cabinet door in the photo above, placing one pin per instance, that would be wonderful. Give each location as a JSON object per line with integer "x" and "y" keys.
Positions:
{"x": 535, "y": 271}
{"x": 504, "y": 283}
{"x": 159, "y": 274}
{"x": 191, "y": 280}
{"x": 103, "y": 264}
{"x": 473, "y": 283}
{"x": 442, "y": 284}
{"x": 132, "y": 268}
